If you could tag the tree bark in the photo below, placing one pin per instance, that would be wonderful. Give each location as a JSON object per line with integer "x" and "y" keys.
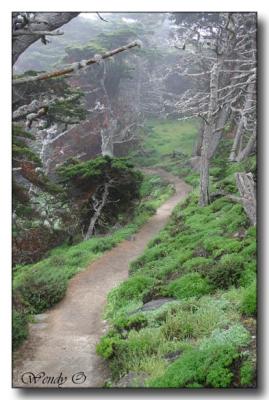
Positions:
{"x": 240, "y": 126}
{"x": 248, "y": 149}
{"x": 98, "y": 207}
{"x": 217, "y": 135}
{"x": 199, "y": 141}
{"x": 246, "y": 187}
{"x": 208, "y": 132}
{"x": 52, "y": 21}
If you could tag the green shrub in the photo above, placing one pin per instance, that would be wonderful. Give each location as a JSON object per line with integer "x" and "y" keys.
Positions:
{"x": 249, "y": 299}
{"x": 133, "y": 289}
{"x": 107, "y": 345}
{"x": 247, "y": 373}
{"x": 19, "y": 328}
{"x": 189, "y": 285}
{"x": 208, "y": 364}
{"x": 208, "y": 368}
{"x": 227, "y": 272}
{"x": 249, "y": 274}
{"x": 197, "y": 263}
{"x": 137, "y": 321}
{"x": 42, "y": 290}
{"x": 178, "y": 327}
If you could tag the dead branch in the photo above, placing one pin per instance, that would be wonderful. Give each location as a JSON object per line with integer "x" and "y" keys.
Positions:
{"x": 76, "y": 66}
{"x": 36, "y": 105}
{"x": 22, "y": 32}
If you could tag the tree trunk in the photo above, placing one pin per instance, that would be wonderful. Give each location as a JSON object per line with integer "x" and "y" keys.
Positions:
{"x": 248, "y": 149}
{"x": 207, "y": 137}
{"x": 98, "y": 207}
{"x": 52, "y": 21}
{"x": 107, "y": 138}
{"x": 198, "y": 144}
{"x": 247, "y": 190}
{"x": 217, "y": 135}
{"x": 240, "y": 126}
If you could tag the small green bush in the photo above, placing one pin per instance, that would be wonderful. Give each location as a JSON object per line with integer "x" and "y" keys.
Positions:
{"x": 133, "y": 289}
{"x": 197, "y": 263}
{"x": 137, "y": 321}
{"x": 249, "y": 299}
{"x": 227, "y": 272}
{"x": 189, "y": 285}
{"x": 42, "y": 291}
{"x": 106, "y": 346}
{"x": 19, "y": 328}
{"x": 209, "y": 368}
{"x": 247, "y": 373}
{"x": 208, "y": 364}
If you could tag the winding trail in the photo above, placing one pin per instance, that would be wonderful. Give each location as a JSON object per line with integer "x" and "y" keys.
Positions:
{"x": 63, "y": 339}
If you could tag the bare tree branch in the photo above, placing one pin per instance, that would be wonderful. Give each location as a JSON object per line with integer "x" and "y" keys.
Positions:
{"x": 22, "y": 32}
{"x": 76, "y": 66}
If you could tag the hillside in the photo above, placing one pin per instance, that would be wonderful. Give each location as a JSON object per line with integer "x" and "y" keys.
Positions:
{"x": 186, "y": 315}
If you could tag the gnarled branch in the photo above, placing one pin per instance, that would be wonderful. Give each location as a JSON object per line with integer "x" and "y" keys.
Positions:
{"x": 76, "y": 66}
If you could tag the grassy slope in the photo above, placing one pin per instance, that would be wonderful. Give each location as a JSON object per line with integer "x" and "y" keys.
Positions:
{"x": 204, "y": 259}
{"x": 38, "y": 286}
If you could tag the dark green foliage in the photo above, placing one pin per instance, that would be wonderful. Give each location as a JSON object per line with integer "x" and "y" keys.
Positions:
{"x": 208, "y": 368}
{"x": 227, "y": 271}
{"x": 83, "y": 179}
{"x": 198, "y": 263}
{"x": 247, "y": 372}
{"x": 19, "y": 328}
{"x": 20, "y": 148}
{"x": 18, "y": 132}
{"x": 42, "y": 291}
{"x": 209, "y": 364}
{"x": 133, "y": 289}
{"x": 136, "y": 321}
{"x": 189, "y": 285}
{"x": 248, "y": 304}
{"x": 107, "y": 346}
{"x": 97, "y": 168}
{"x": 24, "y": 153}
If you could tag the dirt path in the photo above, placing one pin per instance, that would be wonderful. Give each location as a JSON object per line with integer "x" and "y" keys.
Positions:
{"x": 62, "y": 342}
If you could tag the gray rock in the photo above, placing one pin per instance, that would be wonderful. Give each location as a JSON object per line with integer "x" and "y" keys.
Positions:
{"x": 153, "y": 305}
{"x": 173, "y": 355}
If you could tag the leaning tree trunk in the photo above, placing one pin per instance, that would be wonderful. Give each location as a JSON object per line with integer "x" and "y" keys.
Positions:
{"x": 240, "y": 126}
{"x": 52, "y": 21}
{"x": 98, "y": 206}
{"x": 246, "y": 187}
{"x": 243, "y": 154}
{"x": 207, "y": 137}
{"x": 217, "y": 135}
